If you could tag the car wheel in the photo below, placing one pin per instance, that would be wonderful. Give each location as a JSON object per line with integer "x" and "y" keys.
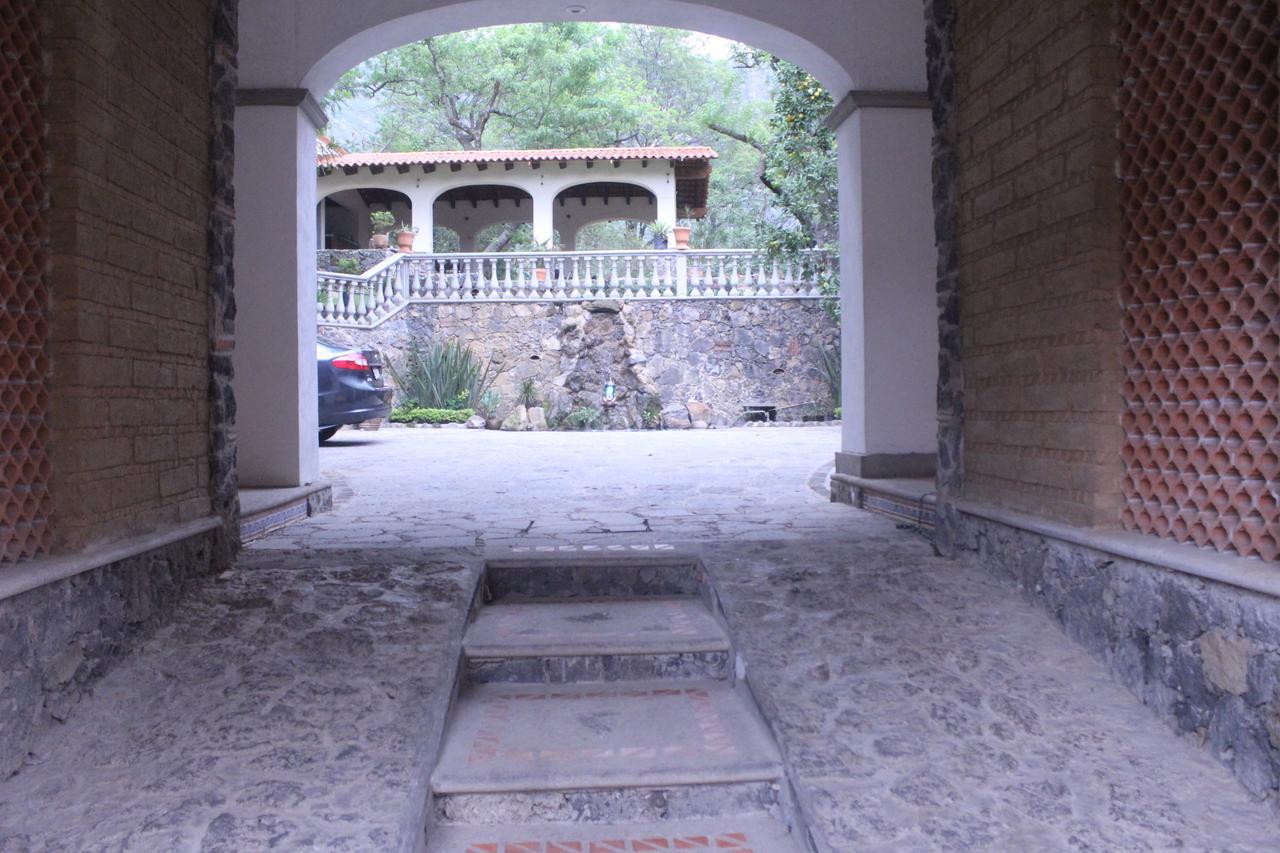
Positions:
{"x": 328, "y": 433}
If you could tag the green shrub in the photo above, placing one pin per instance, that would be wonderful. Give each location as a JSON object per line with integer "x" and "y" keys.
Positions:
{"x": 529, "y": 394}
{"x": 487, "y": 405}
{"x": 415, "y": 415}
{"x": 652, "y": 414}
{"x": 446, "y": 375}
{"x": 583, "y": 417}
{"x": 838, "y": 412}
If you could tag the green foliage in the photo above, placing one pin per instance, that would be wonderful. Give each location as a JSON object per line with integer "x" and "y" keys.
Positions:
{"x": 446, "y": 375}
{"x": 529, "y": 393}
{"x": 839, "y": 413}
{"x": 487, "y": 405}
{"x": 382, "y": 221}
{"x": 831, "y": 368}
{"x": 589, "y": 84}
{"x": 584, "y": 417}
{"x": 415, "y": 415}
{"x": 651, "y": 415}
{"x": 347, "y": 266}
{"x": 564, "y": 85}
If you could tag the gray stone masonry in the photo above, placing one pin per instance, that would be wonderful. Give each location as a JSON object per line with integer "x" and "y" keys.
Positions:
{"x": 1205, "y": 656}
{"x": 58, "y": 639}
{"x": 920, "y": 703}
{"x": 726, "y": 353}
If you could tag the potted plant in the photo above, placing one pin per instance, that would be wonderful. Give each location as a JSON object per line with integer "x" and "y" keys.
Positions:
{"x": 682, "y": 230}
{"x": 660, "y": 231}
{"x": 540, "y": 270}
{"x": 404, "y": 237}
{"x": 383, "y": 222}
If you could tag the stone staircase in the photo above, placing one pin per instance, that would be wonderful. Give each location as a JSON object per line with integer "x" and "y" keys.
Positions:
{"x": 599, "y": 712}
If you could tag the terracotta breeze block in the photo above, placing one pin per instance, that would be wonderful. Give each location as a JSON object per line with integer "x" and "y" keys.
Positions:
{"x": 1201, "y": 293}
{"x": 24, "y": 288}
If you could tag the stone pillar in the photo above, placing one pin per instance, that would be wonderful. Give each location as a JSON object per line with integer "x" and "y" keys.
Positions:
{"x": 275, "y": 354}
{"x": 320, "y": 224}
{"x": 889, "y": 329}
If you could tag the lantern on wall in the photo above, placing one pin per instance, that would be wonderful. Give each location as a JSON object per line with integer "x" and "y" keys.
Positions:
{"x": 610, "y": 394}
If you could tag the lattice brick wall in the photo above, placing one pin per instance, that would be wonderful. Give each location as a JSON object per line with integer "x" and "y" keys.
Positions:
{"x": 1198, "y": 126}
{"x": 24, "y": 295}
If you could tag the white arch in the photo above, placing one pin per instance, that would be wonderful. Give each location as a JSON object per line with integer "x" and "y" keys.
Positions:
{"x": 864, "y": 44}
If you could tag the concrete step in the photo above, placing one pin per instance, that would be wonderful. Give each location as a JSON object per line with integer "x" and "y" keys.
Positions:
{"x": 505, "y": 738}
{"x": 588, "y": 575}
{"x": 733, "y": 834}
{"x": 595, "y": 640}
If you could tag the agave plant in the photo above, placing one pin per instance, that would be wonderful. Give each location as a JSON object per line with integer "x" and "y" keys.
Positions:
{"x": 443, "y": 375}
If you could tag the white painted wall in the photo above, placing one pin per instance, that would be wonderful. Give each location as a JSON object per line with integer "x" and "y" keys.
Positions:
{"x": 847, "y": 44}
{"x": 275, "y": 356}
{"x": 543, "y": 185}
{"x": 889, "y": 326}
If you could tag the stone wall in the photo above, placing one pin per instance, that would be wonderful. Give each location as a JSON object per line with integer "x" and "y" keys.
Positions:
{"x": 1205, "y": 656}
{"x": 129, "y": 128}
{"x": 725, "y": 353}
{"x": 56, "y": 639}
{"x": 1037, "y": 229}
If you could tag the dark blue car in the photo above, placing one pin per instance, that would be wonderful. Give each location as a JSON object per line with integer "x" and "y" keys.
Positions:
{"x": 352, "y": 388}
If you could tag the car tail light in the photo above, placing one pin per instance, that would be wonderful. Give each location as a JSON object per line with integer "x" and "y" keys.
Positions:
{"x": 353, "y": 360}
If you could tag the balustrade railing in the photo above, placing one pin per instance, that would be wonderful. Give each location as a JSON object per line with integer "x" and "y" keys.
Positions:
{"x": 402, "y": 279}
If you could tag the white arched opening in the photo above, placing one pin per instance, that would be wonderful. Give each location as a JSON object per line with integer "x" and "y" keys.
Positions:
{"x": 868, "y": 53}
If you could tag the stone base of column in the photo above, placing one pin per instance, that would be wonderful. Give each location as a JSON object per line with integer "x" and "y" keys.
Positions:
{"x": 884, "y": 466}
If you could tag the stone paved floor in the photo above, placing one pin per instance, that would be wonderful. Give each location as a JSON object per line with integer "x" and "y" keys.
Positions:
{"x": 296, "y": 702}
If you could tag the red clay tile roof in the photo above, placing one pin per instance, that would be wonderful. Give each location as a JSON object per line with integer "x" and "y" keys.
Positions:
{"x": 415, "y": 158}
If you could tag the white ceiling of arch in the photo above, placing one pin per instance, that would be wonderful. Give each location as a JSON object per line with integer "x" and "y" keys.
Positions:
{"x": 859, "y": 44}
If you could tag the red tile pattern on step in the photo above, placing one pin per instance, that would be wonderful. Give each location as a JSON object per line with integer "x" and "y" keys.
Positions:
{"x": 736, "y": 841}
{"x": 1201, "y": 293}
{"x": 24, "y": 288}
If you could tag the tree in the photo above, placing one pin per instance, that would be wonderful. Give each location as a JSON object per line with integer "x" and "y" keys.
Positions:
{"x": 587, "y": 84}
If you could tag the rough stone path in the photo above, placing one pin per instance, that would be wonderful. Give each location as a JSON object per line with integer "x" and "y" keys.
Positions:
{"x": 918, "y": 703}
{"x": 601, "y": 700}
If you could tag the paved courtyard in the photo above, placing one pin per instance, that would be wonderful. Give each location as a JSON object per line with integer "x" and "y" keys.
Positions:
{"x": 297, "y": 701}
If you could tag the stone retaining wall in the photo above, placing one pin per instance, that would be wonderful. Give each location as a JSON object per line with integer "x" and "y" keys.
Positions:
{"x": 57, "y": 639}
{"x": 1204, "y": 655}
{"x": 726, "y": 353}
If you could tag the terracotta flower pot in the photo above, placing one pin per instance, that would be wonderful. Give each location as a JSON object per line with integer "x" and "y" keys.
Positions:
{"x": 404, "y": 241}
{"x": 681, "y": 235}
{"x": 379, "y": 241}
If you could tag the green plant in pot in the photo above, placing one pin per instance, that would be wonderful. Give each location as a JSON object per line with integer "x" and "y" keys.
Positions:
{"x": 382, "y": 223}
{"x": 404, "y": 237}
{"x": 661, "y": 234}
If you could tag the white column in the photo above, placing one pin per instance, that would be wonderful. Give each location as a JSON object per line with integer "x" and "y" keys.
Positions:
{"x": 665, "y": 198}
{"x": 422, "y": 207}
{"x": 889, "y": 326}
{"x": 275, "y": 356}
{"x": 544, "y": 230}
{"x": 320, "y": 224}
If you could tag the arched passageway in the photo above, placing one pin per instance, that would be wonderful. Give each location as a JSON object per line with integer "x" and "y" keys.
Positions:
{"x": 870, "y": 54}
